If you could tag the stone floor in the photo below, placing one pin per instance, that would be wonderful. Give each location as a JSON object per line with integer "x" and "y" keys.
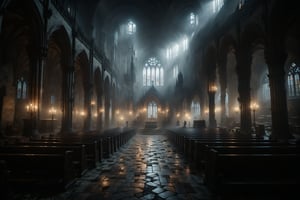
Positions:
{"x": 148, "y": 167}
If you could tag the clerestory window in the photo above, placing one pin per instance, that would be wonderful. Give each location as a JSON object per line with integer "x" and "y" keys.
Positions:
{"x": 294, "y": 80}
{"x": 21, "y": 88}
{"x": 153, "y": 73}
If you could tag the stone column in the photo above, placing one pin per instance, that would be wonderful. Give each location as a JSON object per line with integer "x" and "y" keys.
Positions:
{"x": 37, "y": 73}
{"x": 113, "y": 106}
{"x": 89, "y": 91}
{"x": 211, "y": 104}
{"x": 68, "y": 100}
{"x": 275, "y": 58}
{"x": 100, "y": 110}
{"x": 223, "y": 84}
{"x": 107, "y": 110}
{"x": 244, "y": 75}
{"x": 68, "y": 96}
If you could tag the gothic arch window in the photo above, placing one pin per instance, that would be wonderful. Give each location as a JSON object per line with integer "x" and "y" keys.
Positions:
{"x": 175, "y": 71}
{"x": 153, "y": 73}
{"x": 193, "y": 19}
{"x": 294, "y": 81}
{"x": 195, "y": 109}
{"x": 265, "y": 88}
{"x": 241, "y": 4}
{"x": 217, "y": 5}
{"x": 152, "y": 110}
{"x": 131, "y": 28}
{"x": 21, "y": 88}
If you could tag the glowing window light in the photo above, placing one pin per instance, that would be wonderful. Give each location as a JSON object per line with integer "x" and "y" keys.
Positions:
{"x": 152, "y": 73}
{"x": 217, "y": 5}
{"x": 175, "y": 71}
{"x": 294, "y": 80}
{"x": 131, "y": 28}
{"x": 175, "y": 50}
{"x": 192, "y": 19}
{"x": 169, "y": 53}
{"x": 185, "y": 43}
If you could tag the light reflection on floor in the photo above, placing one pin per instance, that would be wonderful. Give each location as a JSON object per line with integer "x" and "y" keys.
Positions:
{"x": 148, "y": 167}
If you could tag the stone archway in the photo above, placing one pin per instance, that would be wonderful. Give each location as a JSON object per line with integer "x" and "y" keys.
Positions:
{"x": 55, "y": 90}
{"x": 20, "y": 63}
{"x": 80, "y": 91}
{"x": 99, "y": 98}
{"x": 228, "y": 85}
{"x": 107, "y": 102}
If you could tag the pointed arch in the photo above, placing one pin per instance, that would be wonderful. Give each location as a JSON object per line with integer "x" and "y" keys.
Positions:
{"x": 21, "y": 41}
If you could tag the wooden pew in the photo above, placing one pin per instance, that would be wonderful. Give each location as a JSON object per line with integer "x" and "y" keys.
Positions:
{"x": 4, "y": 184}
{"x": 79, "y": 159}
{"x": 91, "y": 148}
{"x": 201, "y": 147}
{"x": 253, "y": 174}
{"x": 39, "y": 172}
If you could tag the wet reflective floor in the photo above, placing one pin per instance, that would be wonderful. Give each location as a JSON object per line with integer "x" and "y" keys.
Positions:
{"x": 147, "y": 167}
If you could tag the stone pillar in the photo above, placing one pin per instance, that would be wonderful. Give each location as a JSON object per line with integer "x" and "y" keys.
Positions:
{"x": 87, "y": 99}
{"x": 223, "y": 84}
{"x": 68, "y": 100}
{"x": 36, "y": 79}
{"x": 113, "y": 107}
{"x": 89, "y": 90}
{"x": 100, "y": 110}
{"x": 68, "y": 96}
{"x": 211, "y": 105}
{"x": 244, "y": 75}
{"x": 107, "y": 110}
{"x": 280, "y": 126}
{"x": 2, "y": 94}
{"x": 3, "y": 5}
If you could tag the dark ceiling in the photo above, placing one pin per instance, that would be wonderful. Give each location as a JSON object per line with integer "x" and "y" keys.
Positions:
{"x": 158, "y": 21}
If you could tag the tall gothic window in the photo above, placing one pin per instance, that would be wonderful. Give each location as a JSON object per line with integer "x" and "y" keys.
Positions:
{"x": 294, "y": 81}
{"x": 153, "y": 73}
{"x": 185, "y": 43}
{"x": 131, "y": 28}
{"x": 21, "y": 88}
{"x": 266, "y": 89}
{"x": 152, "y": 110}
{"x": 175, "y": 71}
{"x": 217, "y": 5}
{"x": 241, "y": 4}
{"x": 195, "y": 109}
{"x": 193, "y": 19}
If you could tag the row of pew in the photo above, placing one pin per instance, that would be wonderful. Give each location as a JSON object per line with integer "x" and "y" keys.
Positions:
{"x": 235, "y": 165}
{"x": 50, "y": 164}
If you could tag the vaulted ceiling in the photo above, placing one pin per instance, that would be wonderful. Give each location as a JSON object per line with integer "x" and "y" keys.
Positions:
{"x": 157, "y": 20}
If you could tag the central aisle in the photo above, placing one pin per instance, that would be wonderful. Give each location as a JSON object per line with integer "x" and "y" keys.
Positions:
{"x": 148, "y": 167}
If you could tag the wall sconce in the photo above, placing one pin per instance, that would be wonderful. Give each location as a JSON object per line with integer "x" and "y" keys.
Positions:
{"x": 218, "y": 109}
{"x": 82, "y": 113}
{"x": 212, "y": 87}
{"x": 31, "y": 108}
{"x": 101, "y": 110}
{"x": 254, "y": 106}
{"x": 236, "y": 109}
{"x": 206, "y": 111}
{"x": 52, "y": 111}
